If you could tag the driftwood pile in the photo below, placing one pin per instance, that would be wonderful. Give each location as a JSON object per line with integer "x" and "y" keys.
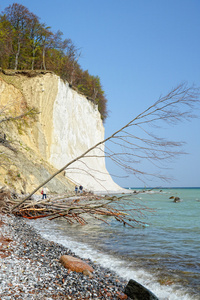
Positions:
{"x": 74, "y": 209}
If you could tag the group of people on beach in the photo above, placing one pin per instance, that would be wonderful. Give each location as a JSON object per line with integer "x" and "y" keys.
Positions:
{"x": 45, "y": 191}
{"x": 78, "y": 189}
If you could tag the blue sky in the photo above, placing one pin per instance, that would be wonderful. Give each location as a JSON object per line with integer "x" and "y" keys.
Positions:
{"x": 140, "y": 50}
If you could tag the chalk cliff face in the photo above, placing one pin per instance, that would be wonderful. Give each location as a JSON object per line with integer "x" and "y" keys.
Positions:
{"x": 77, "y": 126}
{"x": 67, "y": 126}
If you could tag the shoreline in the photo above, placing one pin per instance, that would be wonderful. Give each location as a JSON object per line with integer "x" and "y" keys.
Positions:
{"x": 30, "y": 268}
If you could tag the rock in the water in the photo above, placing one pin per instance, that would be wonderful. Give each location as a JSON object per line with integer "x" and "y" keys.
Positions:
{"x": 75, "y": 264}
{"x": 136, "y": 291}
{"x": 177, "y": 199}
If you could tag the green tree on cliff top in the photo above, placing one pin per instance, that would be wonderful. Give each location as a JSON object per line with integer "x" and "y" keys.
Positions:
{"x": 28, "y": 44}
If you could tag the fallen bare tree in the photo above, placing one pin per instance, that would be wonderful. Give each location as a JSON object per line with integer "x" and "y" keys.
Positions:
{"x": 81, "y": 209}
{"x": 176, "y": 106}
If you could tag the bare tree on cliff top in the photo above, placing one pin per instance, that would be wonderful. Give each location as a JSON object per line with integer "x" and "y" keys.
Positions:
{"x": 176, "y": 106}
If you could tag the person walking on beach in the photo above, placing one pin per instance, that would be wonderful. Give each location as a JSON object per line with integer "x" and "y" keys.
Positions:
{"x": 44, "y": 193}
{"x": 76, "y": 189}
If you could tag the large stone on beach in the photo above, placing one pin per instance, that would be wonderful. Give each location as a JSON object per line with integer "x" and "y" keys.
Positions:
{"x": 75, "y": 264}
{"x": 136, "y": 291}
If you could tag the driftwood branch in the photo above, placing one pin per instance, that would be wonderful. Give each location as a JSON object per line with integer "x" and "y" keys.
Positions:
{"x": 79, "y": 209}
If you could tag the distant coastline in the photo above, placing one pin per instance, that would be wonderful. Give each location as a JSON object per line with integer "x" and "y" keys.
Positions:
{"x": 159, "y": 188}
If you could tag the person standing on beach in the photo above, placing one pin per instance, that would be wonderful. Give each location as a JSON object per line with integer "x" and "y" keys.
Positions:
{"x": 81, "y": 188}
{"x": 44, "y": 193}
{"x": 76, "y": 189}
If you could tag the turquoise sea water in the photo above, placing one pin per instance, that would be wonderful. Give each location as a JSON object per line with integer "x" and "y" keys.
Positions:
{"x": 163, "y": 255}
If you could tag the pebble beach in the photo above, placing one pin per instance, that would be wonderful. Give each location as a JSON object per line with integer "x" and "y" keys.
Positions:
{"x": 30, "y": 268}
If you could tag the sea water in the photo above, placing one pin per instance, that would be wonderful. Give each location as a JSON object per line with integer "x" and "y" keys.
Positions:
{"x": 163, "y": 254}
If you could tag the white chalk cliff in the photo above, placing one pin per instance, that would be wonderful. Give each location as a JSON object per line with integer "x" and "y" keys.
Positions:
{"x": 77, "y": 126}
{"x": 67, "y": 126}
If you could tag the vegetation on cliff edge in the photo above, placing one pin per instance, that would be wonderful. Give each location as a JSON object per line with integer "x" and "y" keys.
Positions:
{"x": 28, "y": 44}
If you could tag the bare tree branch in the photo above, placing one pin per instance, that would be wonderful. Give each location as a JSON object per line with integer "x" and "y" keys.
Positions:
{"x": 176, "y": 106}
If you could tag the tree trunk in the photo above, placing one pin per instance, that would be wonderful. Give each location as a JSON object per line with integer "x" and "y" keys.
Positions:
{"x": 33, "y": 59}
{"x": 17, "y": 55}
{"x": 43, "y": 58}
